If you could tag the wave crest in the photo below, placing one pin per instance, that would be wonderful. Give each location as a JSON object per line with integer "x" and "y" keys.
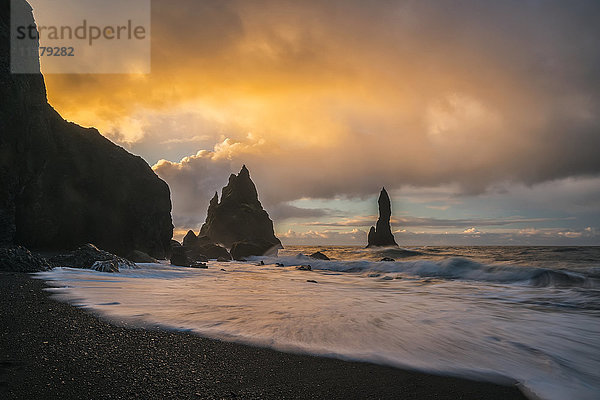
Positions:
{"x": 455, "y": 268}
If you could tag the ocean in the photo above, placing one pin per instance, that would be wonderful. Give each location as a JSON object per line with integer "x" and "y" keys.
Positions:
{"x": 501, "y": 314}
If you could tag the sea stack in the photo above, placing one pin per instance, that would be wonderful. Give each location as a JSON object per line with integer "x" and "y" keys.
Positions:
{"x": 62, "y": 185}
{"x": 239, "y": 221}
{"x": 381, "y": 234}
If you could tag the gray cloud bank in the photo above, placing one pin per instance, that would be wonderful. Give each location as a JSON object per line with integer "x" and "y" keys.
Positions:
{"x": 438, "y": 222}
{"x": 470, "y": 237}
{"x": 467, "y": 92}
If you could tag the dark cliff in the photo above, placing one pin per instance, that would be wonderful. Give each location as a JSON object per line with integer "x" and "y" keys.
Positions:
{"x": 239, "y": 216}
{"x": 381, "y": 234}
{"x": 62, "y": 185}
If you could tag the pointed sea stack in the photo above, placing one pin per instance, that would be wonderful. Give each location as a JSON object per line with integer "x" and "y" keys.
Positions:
{"x": 239, "y": 221}
{"x": 190, "y": 239}
{"x": 381, "y": 234}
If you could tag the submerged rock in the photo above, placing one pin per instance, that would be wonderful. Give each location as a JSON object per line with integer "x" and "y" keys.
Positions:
{"x": 214, "y": 251}
{"x": 319, "y": 256}
{"x": 140, "y": 257}
{"x": 244, "y": 249}
{"x": 387, "y": 259}
{"x": 196, "y": 255}
{"x": 106, "y": 266}
{"x": 381, "y": 234}
{"x": 304, "y": 268}
{"x": 62, "y": 185}
{"x": 239, "y": 218}
{"x": 19, "y": 259}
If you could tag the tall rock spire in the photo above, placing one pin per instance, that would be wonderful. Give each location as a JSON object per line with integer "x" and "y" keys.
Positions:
{"x": 381, "y": 234}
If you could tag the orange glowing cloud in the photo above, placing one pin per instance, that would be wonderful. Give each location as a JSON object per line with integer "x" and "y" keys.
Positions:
{"x": 339, "y": 98}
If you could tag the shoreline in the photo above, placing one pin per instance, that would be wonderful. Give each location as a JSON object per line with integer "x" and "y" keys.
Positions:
{"x": 52, "y": 349}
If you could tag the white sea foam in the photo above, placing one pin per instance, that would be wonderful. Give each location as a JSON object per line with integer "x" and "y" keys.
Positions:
{"x": 451, "y": 315}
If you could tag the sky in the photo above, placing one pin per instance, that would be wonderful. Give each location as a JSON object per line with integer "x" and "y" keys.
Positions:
{"x": 481, "y": 118}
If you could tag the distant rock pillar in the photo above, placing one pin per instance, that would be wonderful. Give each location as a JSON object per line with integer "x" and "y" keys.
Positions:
{"x": 381, "y": 235}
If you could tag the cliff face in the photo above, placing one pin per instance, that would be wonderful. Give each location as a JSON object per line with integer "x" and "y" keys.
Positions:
{"x": 381, "y": 234}
{"x": 62, "y": 185}
{"x": 239, "y": 216}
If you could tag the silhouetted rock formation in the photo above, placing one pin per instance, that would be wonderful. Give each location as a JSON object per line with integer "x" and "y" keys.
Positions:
{"x": 90, "y": 257}
{"x": 214, "y": 251}
{"x": 62, "y": 185}
{"x": 201, "y": 248}
{"x": 183, "y": 258}
{"x": 240, "y": 218}
{"x": 381, "y": 235}
{"x": 179, "y": 257}
{"x": 190, "y": 238}
{"x": 19, "y": 259}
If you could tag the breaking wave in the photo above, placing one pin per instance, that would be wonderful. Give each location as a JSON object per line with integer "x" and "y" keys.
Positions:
{"x": 530, "y": 315}
{"x": 453, "y": 268}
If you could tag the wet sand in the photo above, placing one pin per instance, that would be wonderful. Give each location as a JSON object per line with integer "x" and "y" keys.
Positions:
{"x": 49, "y": 349}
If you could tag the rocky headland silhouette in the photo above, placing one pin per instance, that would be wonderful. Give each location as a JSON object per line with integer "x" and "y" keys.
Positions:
{"x": 62, "y": 185}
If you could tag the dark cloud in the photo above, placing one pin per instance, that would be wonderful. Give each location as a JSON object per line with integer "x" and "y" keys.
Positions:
{"x": 501, "y": 91}
{"x": 342, "y": 97}
{"x": 193, "y": 182}
{"x": 193, "y": 29}
{"x": 282, "y": 211}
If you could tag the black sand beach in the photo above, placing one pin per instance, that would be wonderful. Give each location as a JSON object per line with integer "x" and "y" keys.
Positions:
{"x": 50, "y": 349}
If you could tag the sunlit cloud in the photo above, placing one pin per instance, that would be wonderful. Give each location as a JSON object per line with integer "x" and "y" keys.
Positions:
{"x": 355, "y": 236}
{"x": 449, "y": 110}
